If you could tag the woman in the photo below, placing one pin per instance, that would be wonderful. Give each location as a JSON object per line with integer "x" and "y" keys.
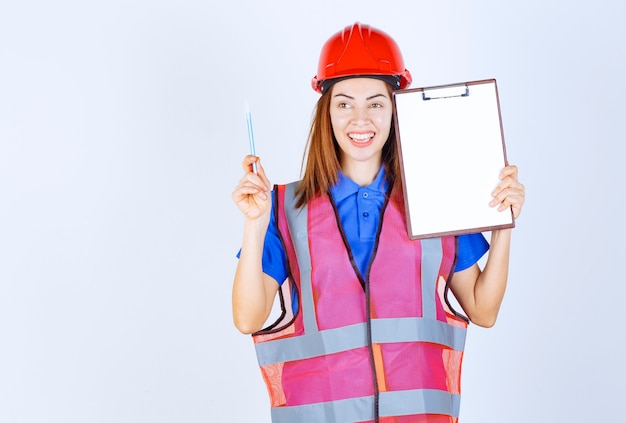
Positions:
{"x": 367, "y": 332}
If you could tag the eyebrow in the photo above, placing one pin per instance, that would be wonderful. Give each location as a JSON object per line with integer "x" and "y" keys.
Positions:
{"x": 368, "y": 98}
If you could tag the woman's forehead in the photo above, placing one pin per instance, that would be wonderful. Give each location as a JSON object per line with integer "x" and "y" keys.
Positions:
{"x": 361, "y": 86}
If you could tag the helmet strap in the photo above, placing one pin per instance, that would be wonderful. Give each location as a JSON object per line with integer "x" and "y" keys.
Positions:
{"x": 393, "y": 80}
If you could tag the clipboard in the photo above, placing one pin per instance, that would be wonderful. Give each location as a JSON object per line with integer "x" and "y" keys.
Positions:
{"x": 451, "y": 149}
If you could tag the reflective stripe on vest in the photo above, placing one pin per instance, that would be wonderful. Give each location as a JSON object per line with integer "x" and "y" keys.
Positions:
{"x": 399, "y": 403}
{"x": 341, "y": 339}
{"x": 321, "y": 365}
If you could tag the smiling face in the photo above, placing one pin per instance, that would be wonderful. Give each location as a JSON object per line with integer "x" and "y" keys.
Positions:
{"x": 360, "y": 114}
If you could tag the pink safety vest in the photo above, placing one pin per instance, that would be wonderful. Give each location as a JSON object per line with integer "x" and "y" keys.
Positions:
{"x": 385, "y": 349}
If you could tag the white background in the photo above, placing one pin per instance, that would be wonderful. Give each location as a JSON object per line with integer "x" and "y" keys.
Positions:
{"x": 121, "y": 136}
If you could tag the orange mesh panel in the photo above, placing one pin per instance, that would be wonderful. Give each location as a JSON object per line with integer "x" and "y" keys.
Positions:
{"x": 452, "y": 360}
{"x": 380, "y": 367}
{"x": 441, "y": 291}
{"x": 285, "y": 333}
{"x": 455, "y": 321}
{"x": 272, "y": 374}
{"x": 451, "y": 318}
{"x": 416, "y": 418}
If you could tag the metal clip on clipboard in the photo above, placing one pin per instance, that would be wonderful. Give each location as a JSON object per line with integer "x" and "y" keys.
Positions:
{"x": 445, "y": 92}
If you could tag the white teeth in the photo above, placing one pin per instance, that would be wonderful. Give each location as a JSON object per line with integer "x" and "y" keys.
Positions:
{"x": 361, "y": 137}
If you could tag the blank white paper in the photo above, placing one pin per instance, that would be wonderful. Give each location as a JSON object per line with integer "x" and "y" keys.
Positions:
{"x": 452, "y": 150}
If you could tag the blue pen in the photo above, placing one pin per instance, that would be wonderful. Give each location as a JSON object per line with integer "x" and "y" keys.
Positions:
{"x": 250, "y": 133}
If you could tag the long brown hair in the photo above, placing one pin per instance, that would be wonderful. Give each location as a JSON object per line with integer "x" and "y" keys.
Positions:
{"x": 321, "y": 156}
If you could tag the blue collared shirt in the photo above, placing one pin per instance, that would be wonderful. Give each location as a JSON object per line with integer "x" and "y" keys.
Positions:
{"x": 359, "y": 211}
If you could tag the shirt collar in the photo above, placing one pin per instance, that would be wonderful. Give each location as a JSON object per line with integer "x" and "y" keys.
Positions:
{"x": 346, "y": 187}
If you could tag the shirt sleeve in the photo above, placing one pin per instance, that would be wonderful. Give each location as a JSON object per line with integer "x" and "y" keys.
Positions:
{"x": 274, "y": 260}
{"x": 470, "y": 249}
{"x": 274, "y": 257}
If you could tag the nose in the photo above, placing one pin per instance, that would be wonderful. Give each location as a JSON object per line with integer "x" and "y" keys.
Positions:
{"x": 361, "y": 115}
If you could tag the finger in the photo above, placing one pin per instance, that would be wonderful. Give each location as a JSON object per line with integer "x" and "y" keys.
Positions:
{"x": 507, "y": 183}
{"x": 508, "y": 179}
{"x": 248, "y": 163}
{"x": 509, "y": 201}
{"x": 261, "y": 173}
{"x": 259, "y": 178}
{"x": 501, "y": 196}
{"x": 514, "y": 203}
{"x": 249, "y": 187}
{"x": 509, "y": 171}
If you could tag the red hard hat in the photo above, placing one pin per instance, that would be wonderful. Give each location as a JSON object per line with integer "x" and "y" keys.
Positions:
{"x": 360, "y": 50}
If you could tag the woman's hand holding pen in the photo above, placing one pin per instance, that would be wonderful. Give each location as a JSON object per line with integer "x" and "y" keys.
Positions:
{"x": 251, "y": 195}
{"x": 509, "y": 192}
{"x": 253, "y": 290}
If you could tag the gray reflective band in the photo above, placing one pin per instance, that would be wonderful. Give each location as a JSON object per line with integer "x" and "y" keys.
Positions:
{"x": 311, "y": 344}
{"x": 348, "y": 410}
{"x": 408, "y": 329}
{"x": 419, "y": 401}
{"x": 350, "y": 337}
{"x": 297, "y": 221}
{"x": 398, "y": 403}
{"x": 432, "y": 252}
